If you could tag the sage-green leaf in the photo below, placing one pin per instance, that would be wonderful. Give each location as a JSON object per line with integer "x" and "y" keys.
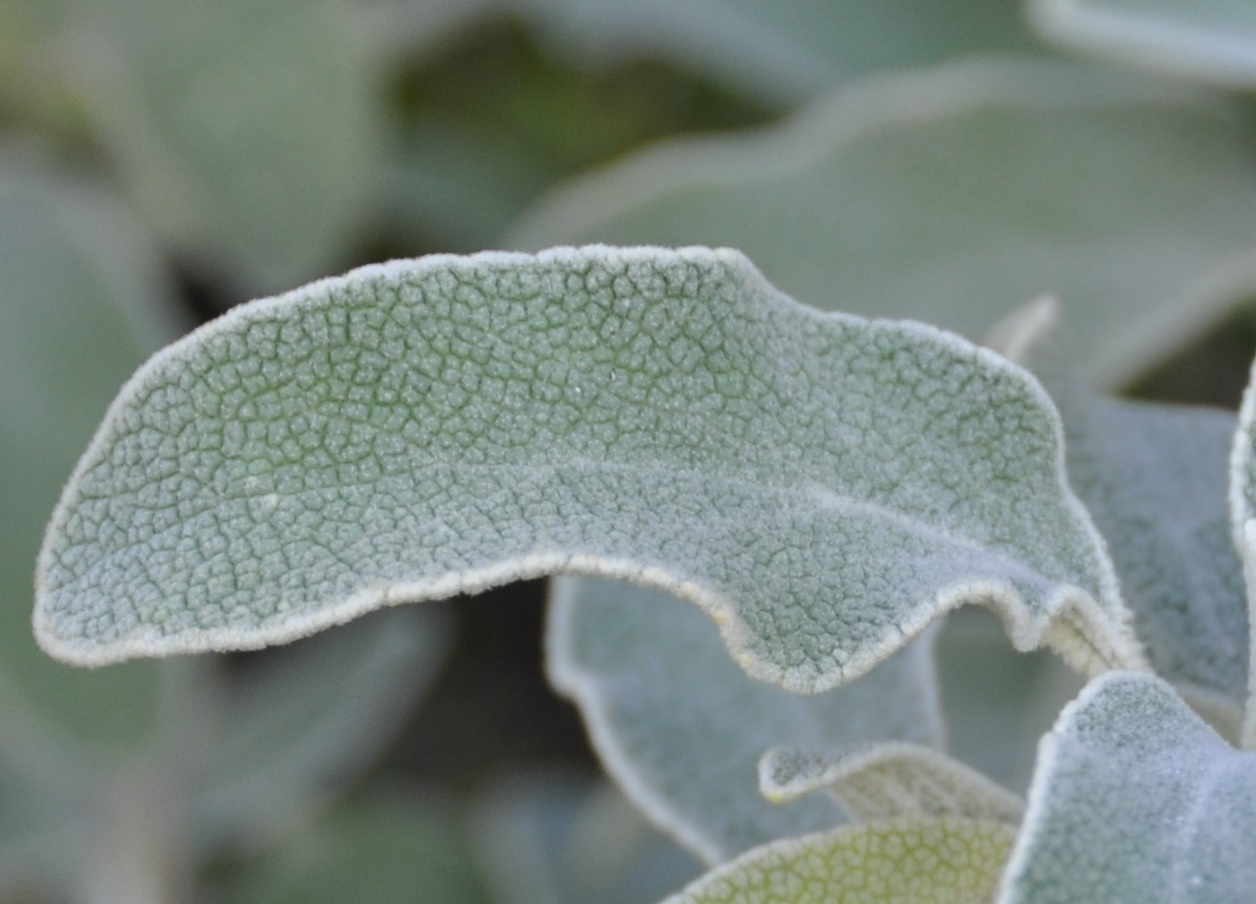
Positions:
{"x": 688, "y": 758}
{"x": 1136, "y": 798}
{"x": 887, "y": 780}
{"x": 953, "y": 195}
{"x": 1209, "y": 39}
{"x": 824, "y": 486}
{"x": 905, "y": 861}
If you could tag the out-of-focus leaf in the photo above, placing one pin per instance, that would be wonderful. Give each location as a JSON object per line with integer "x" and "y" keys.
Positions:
{"x": 547, "y": 838}
{"x": 907, "y": 861}
{"x": 681, "y": 728}
{"x": 421, "y": 428}
{"x": 1209, "y": 39}
{"x": 295, "y": 734}
{"x": 955, "y": 194}
{"x": 997, "y": 702}
{"x": 1136, "y": 798}
{"x": 887, "y": 780}
{"x": 781, "y": 52}
{"x": 245, "y": 130}
{"x": 83, "y": 301}
{"x": 398, "y": 844}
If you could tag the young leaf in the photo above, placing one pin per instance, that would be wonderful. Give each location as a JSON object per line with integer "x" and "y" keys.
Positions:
{"x": 1209, "y": 39}
{"x": 950, "y": 196}
{"x": 688, "y": 759}
{"x": 921, "y": 861}
{"x": 1136, "y": 798}
{"x": 882, "y": 781}
{"x": 824, "y": 486}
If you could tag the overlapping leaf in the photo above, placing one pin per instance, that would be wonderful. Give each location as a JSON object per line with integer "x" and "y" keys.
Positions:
{"x": 1154, "y": 477}
{"x": 681, "y": 728}
{"x": 1136, "y": 798}
{"x": 888, "y": 780}
{"x": 1210, "y": 39}
{"x": 420, "y": 428}
{"x": 954, "y": 194}
{"x": 934, "y": 861}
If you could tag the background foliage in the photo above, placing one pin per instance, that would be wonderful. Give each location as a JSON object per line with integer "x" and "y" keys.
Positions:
{"x": 161, "y": 162}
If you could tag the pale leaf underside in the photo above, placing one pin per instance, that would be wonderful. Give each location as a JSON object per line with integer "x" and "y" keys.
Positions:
{"x": 823, "y": 485}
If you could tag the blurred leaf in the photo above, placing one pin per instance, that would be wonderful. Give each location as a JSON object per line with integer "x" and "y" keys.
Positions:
{"x": 1136, "y": 799}
{"x": 395, "y": 844}
{"x": 1209, "y": 39}
{"x": 84, "y": 300}
{"x": 907, "y": 861}
{"x": 998, "y": 702}
{"x": 302, "y": 728}
{"x": 955, "y": 194}
{"x": 546, "y": 838}
{"x": 421, "y": 428}
{"x": 688, "y": 759}
{"x": 244, "y": 130}
{"x": 779, "y": 52}
{"x": 887, "y": 780}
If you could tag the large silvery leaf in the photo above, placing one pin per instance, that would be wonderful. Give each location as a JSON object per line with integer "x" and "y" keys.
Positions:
{"x": 421, "y": 428}
{"x": 954, "y": 194}
{"x": 926, "y": 861}
{"x": 1211, "y": 39}
{"x": 1136, "y": 798}
{"x": 689, "y": 758}
{"x": 244, "y": 130}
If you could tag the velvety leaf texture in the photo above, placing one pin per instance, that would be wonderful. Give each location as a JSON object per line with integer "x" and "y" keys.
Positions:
{"x": 823, "y": 485}
{"x": 1136, "y": 798}
{"x": 927, "y": 861}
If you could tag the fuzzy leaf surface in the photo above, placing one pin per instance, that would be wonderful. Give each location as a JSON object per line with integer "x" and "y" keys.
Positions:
{"x": 1209, "y": 39}
{"x": 953, "y": 195}
{"x": 689, "y": 759}
{"x": 417, "y": 429}
{"x": 1136, "y": 798}
{"x": 887, "y": 780}
{"x": 925, "y": 861}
